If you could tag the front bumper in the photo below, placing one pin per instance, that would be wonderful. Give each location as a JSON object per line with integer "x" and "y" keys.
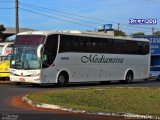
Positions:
{"x": 4, "y": 74}
{"x": 25, "y": 79}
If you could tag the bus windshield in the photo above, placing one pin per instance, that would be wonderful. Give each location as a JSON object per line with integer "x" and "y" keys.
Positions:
{"x": 29, "y": 39}
{"x": 25, "y": 58}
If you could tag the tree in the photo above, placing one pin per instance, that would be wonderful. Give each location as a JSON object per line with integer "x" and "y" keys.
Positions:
{"x": 2, "y": 29}
{"x": 137, "y": 33}
{"x": 119, "y": 33}
{"x": 157, "y": 33}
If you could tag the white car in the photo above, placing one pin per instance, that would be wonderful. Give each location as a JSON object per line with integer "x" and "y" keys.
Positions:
{"x": 155, "y": 72}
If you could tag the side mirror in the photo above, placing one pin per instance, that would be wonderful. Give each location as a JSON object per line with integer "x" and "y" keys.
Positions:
{"x": 39, "y": 50}
{"x": 4, "y": 48}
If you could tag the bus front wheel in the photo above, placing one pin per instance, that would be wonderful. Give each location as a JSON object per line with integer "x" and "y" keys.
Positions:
{"x": 18, "y": 83}
{"x": 62, "y": 79}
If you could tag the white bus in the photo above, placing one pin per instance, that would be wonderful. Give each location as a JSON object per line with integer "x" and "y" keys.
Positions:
{"x": 73, "y": 56}
{"x": 5, "y": 49}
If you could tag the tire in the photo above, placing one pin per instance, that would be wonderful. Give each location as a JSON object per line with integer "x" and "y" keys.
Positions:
{"x": 18, "y": 83}
{"x": 62, "y": 80}
{"x": 129, "y": 77}
{"x": 158, "y": 79}
{"x": 35, "y": 85}
{"x": 146, "y": 79}
{"x": 7, "y": 79}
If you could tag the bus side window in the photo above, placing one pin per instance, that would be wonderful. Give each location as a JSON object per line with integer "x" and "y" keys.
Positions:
{"x": 44, "y": 57}
{"x": 50, "y": 50}
{"x": 45, "y": 61}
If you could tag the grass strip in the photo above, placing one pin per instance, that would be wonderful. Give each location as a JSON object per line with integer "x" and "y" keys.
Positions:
{"x": 131, "y": 100}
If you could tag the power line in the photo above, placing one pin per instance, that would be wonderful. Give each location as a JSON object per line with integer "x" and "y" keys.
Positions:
{"x": 144, "y": 1}
{"x": 148, "y": 2}
{"x": 134, "y": 26}
{"x": 78, "y": 23}
{"x": 63, "y": 15}
{"x": 57, "y": 18}
{"x": 7, "y": 8}
{"x": 67, "y": 13}
{"x": 6, "y": 1}
{"x": 138, "y": 27}
{"x": 62, "y": 12}
{"x": 137, "y": 30}
{"x": 153, "y": 1}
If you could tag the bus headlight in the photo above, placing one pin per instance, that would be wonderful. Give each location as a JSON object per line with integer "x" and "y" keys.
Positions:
{"x": 7, "y": 69}
{"x": 12, "y": 73}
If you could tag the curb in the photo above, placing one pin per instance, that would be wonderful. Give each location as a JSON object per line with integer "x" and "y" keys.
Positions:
{"x": 57, "y": 107}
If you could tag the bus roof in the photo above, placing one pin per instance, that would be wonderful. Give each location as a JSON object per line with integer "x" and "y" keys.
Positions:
{"x": 81, "y": 33}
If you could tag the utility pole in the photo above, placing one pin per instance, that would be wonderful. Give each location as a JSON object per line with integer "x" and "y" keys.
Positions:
{"x": 152, "y": 30}
{"x": 118, "y": 26}
{"x": 17, "y": 17}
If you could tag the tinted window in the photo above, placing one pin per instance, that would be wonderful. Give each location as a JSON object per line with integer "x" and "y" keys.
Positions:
{"x": 70, "y": 43}
{"x": 29, "y": 39}
{"x": 118, "y": 46}
{"x": 73, "y": 44}
{"x": 67, "y": 43}
{"x": 50, "y": 50}
{"x": 94, "y": 45}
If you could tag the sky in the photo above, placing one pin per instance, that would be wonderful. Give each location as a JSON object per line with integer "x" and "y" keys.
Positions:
{"x": 81, "y": 14}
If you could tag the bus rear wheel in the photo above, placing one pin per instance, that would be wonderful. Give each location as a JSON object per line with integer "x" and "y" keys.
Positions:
{"x": 62, "y": 79}
{"x": 129, "y": 77}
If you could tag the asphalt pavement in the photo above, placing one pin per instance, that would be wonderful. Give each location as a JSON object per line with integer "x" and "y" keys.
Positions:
{"x": 9, "y": 109}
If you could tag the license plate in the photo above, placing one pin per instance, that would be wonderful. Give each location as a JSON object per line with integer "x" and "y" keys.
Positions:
{"x": 22, "y": 79}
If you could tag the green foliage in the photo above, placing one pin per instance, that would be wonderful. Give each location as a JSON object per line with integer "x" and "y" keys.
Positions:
{"x": 157, "y": 33}
{"x": 132, "y": 100}
{"x": 138, "y": 33}
{"x": 2, "y": 28}
{"x": 119, "y": 33}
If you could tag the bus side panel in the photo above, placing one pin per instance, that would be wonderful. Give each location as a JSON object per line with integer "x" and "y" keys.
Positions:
{"x": 49, "y": 75}
{"x": 90, "y": 71}
{"x": 71, "y": 62}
